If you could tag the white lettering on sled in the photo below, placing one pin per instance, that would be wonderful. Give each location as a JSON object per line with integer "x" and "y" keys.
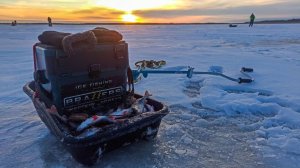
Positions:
{"x": 93, "y": 84}
{"x": 92, "y": 96}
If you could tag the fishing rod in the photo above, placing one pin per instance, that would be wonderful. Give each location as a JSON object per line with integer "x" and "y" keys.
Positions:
{"x": 138, "y": 73}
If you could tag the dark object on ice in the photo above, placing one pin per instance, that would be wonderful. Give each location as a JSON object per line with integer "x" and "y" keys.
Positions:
{"x": 87, "y": 149}
{"x": 85, "y": 77}
{"x": 137, "y": 74}
{"x": 14, "y": 23}
{"x": 49, "y": 22}
{"x": 53, "y": 38}
{"x": 244, "y": 69}
{"x": 252, "y": 18}
{"x": 232, "y": 25}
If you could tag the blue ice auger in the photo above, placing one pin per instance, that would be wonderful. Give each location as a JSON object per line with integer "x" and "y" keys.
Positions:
{"x": 137, "y": 74}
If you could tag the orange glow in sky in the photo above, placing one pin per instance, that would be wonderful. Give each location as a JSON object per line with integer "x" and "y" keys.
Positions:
{"x": 182, "y": 11}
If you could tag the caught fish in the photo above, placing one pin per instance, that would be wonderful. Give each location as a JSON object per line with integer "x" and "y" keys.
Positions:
{"x": 95, "y": 120}
{"x": 149, "y": 108}
{"x": 121, "y": 113}
{"x": 140, "y": 104}
{"x": 88, "y": 132}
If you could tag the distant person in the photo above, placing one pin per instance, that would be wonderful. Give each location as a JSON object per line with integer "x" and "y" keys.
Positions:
{"x": 252, "y": 18}
{"x": 14, "y": 23}
{"x": 49, "y": 21}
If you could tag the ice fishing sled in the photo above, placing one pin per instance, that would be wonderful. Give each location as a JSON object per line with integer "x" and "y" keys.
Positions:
{"x": 84, "y": 93}
{"x": 87, "y": 148}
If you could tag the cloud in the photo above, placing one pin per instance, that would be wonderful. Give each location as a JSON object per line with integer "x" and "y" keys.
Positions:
{"x": 227, "y": 13}
{"x": 95, "y": 14}
{"x": 45, "y": 3}
{"x": 93, "y": 18}
{"x": 97, "y": 10}
{"x": 223, "y": 4}
{"x": 3, "y": 7}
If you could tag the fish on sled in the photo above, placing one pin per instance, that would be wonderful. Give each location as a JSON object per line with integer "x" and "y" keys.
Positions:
{"x": 84, "y": 93}
{"x": 87, "y": 146}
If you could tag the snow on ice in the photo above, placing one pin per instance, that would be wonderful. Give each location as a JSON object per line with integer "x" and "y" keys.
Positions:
{"x": 213, "y": 122}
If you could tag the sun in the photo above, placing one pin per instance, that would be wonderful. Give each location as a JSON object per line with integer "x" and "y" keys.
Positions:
{"x": 128, "y": 17}
{"x": 128, "y": 7}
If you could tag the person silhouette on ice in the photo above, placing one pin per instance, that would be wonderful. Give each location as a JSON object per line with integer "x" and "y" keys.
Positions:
{"x": 49, "y": 21}
{"x": 252, "y": 18}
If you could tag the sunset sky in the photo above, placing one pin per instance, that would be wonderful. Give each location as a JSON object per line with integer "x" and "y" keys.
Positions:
{"x": 158, "y": 11}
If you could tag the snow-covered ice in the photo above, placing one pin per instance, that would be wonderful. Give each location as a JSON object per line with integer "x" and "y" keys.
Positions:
{"x": 213, "y": 122}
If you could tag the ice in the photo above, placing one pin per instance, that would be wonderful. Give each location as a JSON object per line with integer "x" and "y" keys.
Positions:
{"x": 218, "y": 69}
{"x": 213, "y": 122}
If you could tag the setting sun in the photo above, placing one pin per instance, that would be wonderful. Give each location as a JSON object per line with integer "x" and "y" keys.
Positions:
{"x": 129, "y": 18}
{"x": 144, "y": 11}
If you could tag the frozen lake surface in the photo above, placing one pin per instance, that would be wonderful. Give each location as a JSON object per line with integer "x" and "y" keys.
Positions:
{"x": 213, "y": 122}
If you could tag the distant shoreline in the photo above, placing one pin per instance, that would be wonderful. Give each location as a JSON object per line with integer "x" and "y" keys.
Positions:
{"x": 291, "y": 21}
{"x": 137, "y": 24}
{"x": 22, "y": 23}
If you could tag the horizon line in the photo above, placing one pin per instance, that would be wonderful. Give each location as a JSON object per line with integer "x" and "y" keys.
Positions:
{"x": 293, "y": 20}
{"x": 149, "y": 23}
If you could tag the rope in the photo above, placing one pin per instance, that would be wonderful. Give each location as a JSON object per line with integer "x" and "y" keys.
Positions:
{"x": 150, "y": 64}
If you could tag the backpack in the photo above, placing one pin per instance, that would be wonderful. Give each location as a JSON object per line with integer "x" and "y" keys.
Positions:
{"x": 84, "y": 74}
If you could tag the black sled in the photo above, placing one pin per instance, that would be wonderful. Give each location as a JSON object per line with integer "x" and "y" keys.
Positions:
{"x": 88, "y": 149}
{"x": 232, "y": 25}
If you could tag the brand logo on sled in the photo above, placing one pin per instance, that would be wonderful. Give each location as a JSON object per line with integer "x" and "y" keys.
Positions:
{"x": 92, "y": 96}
